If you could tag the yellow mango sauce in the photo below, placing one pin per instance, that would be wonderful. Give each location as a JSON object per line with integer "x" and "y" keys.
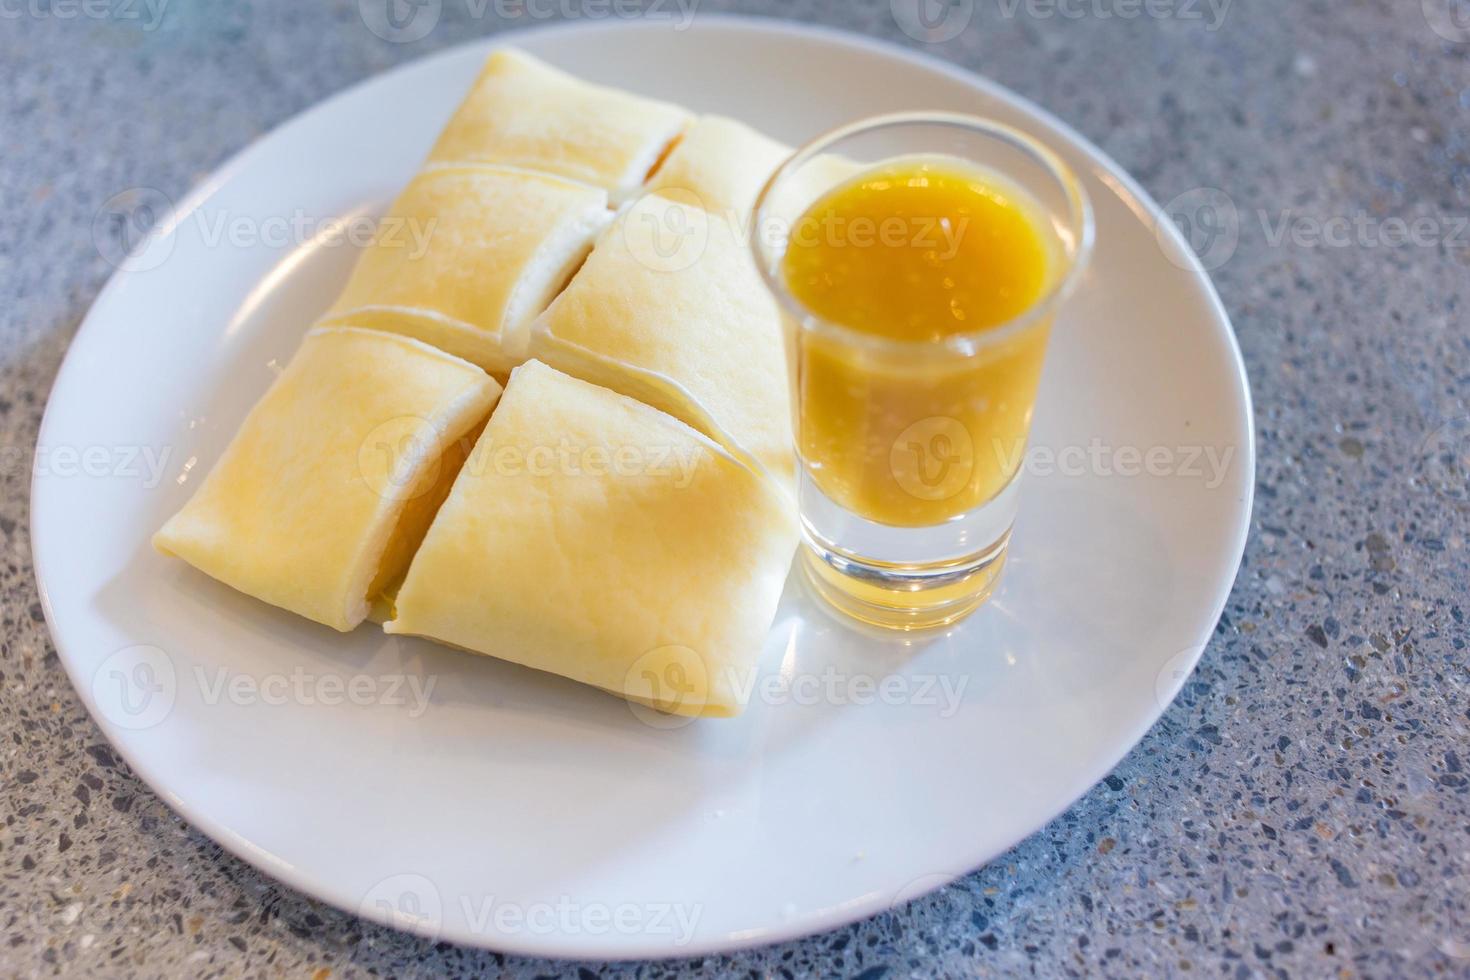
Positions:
{"x": 918, "y": 251}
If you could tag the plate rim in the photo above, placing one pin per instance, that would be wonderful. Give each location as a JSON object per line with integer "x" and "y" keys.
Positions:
{"x": 549, "y": 946}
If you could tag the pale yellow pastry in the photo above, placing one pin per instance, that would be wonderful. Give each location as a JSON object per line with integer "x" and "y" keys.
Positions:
{"x": 720, "y": 165}
{"x": 669, "y": 309}
{"x": 321, "y": 499}
{"x": 592, "y": 536}
{"x": 522, "y": 112}
{"x": 468, "y": 255}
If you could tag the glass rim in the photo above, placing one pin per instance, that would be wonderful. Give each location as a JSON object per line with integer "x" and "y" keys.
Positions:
{"x": 1079, "y": 219}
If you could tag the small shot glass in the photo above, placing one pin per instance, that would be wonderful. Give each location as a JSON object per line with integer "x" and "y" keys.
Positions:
{"x": 910, "y": 451}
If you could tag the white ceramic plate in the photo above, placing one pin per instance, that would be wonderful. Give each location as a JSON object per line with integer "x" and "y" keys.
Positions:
{"x": 515, "y": 810}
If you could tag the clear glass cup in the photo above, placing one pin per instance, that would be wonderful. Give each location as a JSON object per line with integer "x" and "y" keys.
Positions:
{"x": 910, "y": 452}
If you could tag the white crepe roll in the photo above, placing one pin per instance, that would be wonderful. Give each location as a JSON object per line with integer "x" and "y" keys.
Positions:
{"x": 720, "y": 165}
{"x": 319, "y": 501}
{"x": 469, "y": 255}
{"x": 669, "y": 309}
{"x": 522, "y": 112}
{"x": 594, "y": 537}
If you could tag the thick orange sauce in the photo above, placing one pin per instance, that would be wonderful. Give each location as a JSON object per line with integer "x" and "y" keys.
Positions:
{"x": 919, "y": 251}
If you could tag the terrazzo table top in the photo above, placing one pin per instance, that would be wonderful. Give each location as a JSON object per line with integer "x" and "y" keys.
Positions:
{"x": 1304, "y": 807}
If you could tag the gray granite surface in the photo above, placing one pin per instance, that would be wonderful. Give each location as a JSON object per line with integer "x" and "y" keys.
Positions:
{"x": 1302, "y": 810}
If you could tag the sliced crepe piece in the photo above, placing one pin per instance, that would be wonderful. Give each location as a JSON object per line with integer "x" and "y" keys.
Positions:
{"x": 669, "y": 309}
{"x": 522, "y": 112}
{"x": 425, "y": 498}
{"x": 468, "y": 255}
{"x": 720, "y": 165}
{"x": 320, "y": 500}
{"x": 594, "y": 537}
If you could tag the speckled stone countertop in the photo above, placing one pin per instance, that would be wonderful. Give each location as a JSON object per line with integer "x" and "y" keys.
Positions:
{"x": 1302, "y": 810}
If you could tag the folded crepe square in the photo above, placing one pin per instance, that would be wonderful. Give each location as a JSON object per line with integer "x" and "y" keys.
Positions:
{"x": 669, "y": 309}
{"x": 328, "y": 487}
{"x": 522, "y": 112}
{"x": 468, "y": 255}
{"x": 720, "y": 165}
{"x": 594, "y": 537}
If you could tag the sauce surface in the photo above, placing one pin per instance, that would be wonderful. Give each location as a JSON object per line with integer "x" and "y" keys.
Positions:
{"x": 919, "y": 250}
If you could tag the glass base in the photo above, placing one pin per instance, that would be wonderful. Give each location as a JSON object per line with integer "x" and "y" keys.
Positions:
{"x": 903, "y": 597}
{"x": 904, "y": 578}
